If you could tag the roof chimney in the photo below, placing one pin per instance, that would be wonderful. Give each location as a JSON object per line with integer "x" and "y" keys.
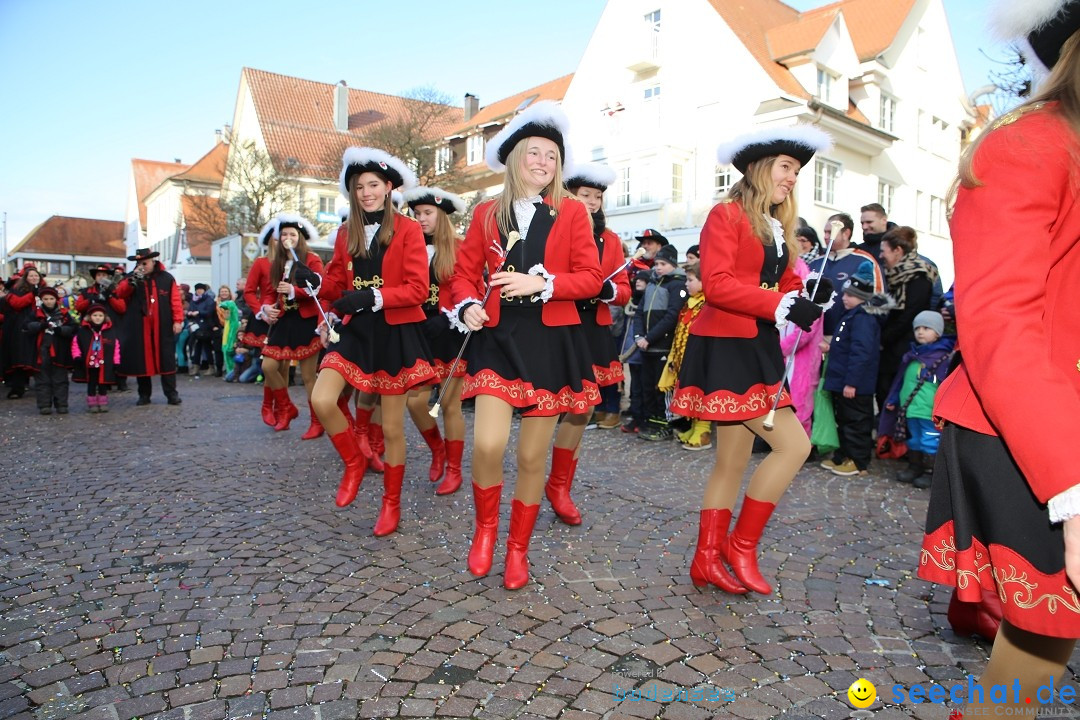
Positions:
{"x": 341, "y": 107}
{"x": 472, "y": 106}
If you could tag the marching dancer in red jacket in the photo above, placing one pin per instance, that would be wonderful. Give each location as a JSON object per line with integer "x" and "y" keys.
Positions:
{"x": 588, "y": 182}
{"x": 376, "y": 282}
{"x": 432, "y": 208}
{"x": 1003, "y": 524}
{"x": 733, "y": 368}
{"x": 282, "y": 292}
{"x": 536, "y": 244}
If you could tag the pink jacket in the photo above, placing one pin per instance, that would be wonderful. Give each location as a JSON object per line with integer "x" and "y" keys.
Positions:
{"x": 807, "y": 369}
{"x": 76, "y": 351}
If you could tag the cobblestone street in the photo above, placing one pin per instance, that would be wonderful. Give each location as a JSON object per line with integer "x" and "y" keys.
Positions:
{"x": 187, "y": 562}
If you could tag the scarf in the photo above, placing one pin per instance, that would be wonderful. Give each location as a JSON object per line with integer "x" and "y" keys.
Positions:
{"x": 96, "y": 357}
{"x": 909, "y": 268}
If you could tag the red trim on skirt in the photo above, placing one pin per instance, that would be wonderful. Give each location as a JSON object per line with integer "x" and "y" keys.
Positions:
{"x": 380, "y": 382}
{"x": 610, "y": 375}
{"x": 1030, "y": 600}
{"x": 442, "y": 369}
{"x": 275, "y": 352}
{"x": 251, "y": 339}
{"x": 727, "y": 406}
{"x": 521, "y": 394}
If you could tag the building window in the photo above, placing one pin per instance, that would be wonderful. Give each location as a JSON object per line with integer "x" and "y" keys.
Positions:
{"x": 622, "y": 188}
{"x": 922, "y": 131}
{"x": 825, "y": 174}
{"x": 825, "y": 81}
{"x": 646, "y": 188}
{"x": 676, "y": 183}
{"x": 885, "y": 193}
{"x": 326, "y": 204}
{"x": 474, "y": 147}
{"x": 887, "y": 113}
{"x": 652, "y": 92}
{"x": 652, "y": 19}
{"x": 443, "y": 158}
{"x": 937, "y": 215}
{"x": 723, "y": 179}
{"x": 920, "y": 211}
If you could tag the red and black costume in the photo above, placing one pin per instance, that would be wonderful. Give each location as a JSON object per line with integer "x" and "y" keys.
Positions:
{"x": 443, "y": 340}
{"x": 104, "y": 295}
{"x": 148, "y": 344}
{"x": 96, "y": 349}
{"x": 530, "y": 352}
{"x": 733, "y": 367}
{"x": 1003, "y": 476}
{"x": 50, "y": 332}
{"x": 293, "y": 336}
{"x": 19, "y": 350}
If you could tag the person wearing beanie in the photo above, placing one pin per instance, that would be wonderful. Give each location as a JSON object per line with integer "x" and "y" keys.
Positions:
{"x": 851, "y": 374}
{"x": 95, "y": 351}
{"x": 1003, "y": 522}
{"x": 376, "y": 284}
{"x": 432, "y": 208}
{"x": 654, "y": 329}
{"x": 908, "y": 412}
{"x": 51, "y": 331}
{"x": 202, "y": 316}
{"x": 527, "y": 350}
{"x": 588, "y": 183}
{"x": 733, "y": 370}
{"x": 282, "y": 289}
{"x": 693, "y": 254}
{"x": 18, "y": 350}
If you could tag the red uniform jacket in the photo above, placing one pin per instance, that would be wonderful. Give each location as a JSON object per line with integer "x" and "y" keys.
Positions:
{"x": 444, "y": 286}
{"x": 569, "y": 254}
{"x": 404, "y": 272}
{"x": 609, "y": 263}
{"x": 731, "y": 259}
{"x": 261, "y": 290}
{"x": 1015, "y": 299}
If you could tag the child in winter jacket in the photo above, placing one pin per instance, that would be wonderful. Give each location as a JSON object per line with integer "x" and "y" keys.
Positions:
{"x": 910, "y": 405}
{"x": 53, "y": 328}
{"x": 852, "y": 373}
{"x": 97, "y": 351}
{"x": 697, "y": 434}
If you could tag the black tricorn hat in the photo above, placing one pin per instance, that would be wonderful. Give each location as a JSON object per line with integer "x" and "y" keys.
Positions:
{"x": 143, "y": 254}
{"x": 448, "y": 202}
{"x": 798, "y": 141}
{"x": 1039, "y": 28}
{"x": 357, "y": 160}
{"x": 544, "y": 119}
{"x": 101, "y": 268}
{"x": 653, "y": 235}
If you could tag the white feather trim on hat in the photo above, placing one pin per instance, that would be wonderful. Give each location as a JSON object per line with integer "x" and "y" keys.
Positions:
{"x": 545, "y": 112}
{"x": 1011, "y": 20}
{"x": 805, "y": 135}
{"x": 286, "y": 219}
{"x": 396, "y": 198}
{"x": 344, "y": 211}
{"x": 592, "y": 173}
{"x": 366, "y": 155}
{"x": 438, "y": 194}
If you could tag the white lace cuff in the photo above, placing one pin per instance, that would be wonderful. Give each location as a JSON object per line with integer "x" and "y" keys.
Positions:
{"x": 1065, "y": 505}
{"x": 313, "y": 290}
{"x": 614, "y": 291}
{"x": 261, "y": 315}
{"x": 378, "y": 300}
{"x": 782, "y": 309}
{"x": 825, "y": 306}
{"x": 454, "y": 314}
{"x": 549, "y": 281}
{"x": 292, "y": 292}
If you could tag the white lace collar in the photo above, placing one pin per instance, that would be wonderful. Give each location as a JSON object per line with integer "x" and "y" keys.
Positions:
{"x": 777, "y": 234}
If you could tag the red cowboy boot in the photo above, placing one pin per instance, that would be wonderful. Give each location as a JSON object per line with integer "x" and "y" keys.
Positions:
{"x": 741, "y": 546}
{"x": 487, "y": 527}
{"x": 454, "y": 450}
{"x": 976, "y": 618}
{"x": 377, "y": 445}
{"x": 343, "y": 406}
{"x": 708, "y": 564}
{"x": 434, "y": 441}
{"x": 284, "y": 409}
{"x": 522, "y": 521}
{"x": 360, "y": 430}
{"x": 315, "y": 429}
{"x": 558, "y": 486}
{"x": 390, "y": 513}
{"x": 355, "y": 465}
{"x": 268, "y": 406}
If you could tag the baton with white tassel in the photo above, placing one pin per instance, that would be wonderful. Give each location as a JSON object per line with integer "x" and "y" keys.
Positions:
{"x": 331, "y": 334}
{"x": 835, "y": 226}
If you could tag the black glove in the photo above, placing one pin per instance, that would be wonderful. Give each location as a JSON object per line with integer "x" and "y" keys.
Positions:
{"x": 304, "y": 275}
{"x": 820, "y": 290}
{"x": 67, "y": 331}
{"x": 607, "y": 292}
{"x": 803, "y": 313}
{"x": 355, "y": 301}
{"x": 33, "y": 327}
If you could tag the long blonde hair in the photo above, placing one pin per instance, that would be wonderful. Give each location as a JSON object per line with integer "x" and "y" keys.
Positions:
{"x": 1061, "y": 86}
{"x": 754, "y": 192}
{"x": 514, "y": 187}
{"x": 358, "y": 245}
{"x": 445, "y": 241}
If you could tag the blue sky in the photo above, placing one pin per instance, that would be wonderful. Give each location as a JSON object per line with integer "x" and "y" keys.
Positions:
{"x": 86, "y": 86}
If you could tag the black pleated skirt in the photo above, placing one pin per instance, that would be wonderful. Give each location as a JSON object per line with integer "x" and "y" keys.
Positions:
{"x": 254, "y": 334}
{"x": 607, "y": 368}
{"x": 376, "y": 357}
{"x": 444, "y": 342}
{"x": 292, "y": 337}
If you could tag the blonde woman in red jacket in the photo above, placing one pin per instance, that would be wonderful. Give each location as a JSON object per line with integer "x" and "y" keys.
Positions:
{"x": 733, "y": 368}
{"x": 432, "y": 208}
{"x": 1003, "y": 524}
{"x": 376, "y": 283}
{"x": 536, "y": 243}
{"x": 283, "y": 293}
{"x": 588, "y": 182}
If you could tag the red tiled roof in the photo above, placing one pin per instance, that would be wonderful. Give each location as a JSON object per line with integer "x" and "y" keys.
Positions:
{"x": 799, "y": 36}
{"x": 551, "y": 90}
{"x": 75, "y": 236}
{"x": 148, "y": 175}
{"x": 210, "y": 168}
{"x": 204, "y": 223}
{"x": 296, "y": 118}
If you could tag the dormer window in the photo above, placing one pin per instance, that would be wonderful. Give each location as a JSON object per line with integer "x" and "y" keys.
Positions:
{"x": 474, "y": 147}
{"x": 826, "y": 86}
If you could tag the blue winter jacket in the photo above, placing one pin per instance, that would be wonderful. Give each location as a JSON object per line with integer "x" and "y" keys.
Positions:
{"x": 854, "y": 353}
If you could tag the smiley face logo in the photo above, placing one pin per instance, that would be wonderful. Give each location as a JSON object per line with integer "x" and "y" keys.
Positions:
{"x": 862, "y": 693}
